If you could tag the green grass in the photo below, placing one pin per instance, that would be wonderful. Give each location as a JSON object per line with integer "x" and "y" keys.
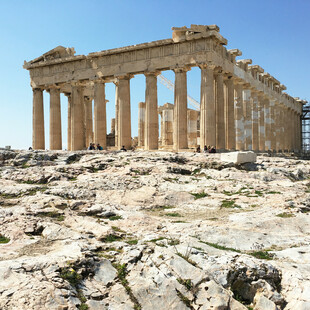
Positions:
{"x": 52, "y": 214}
{"x": 115, "y": 218}
{"x": 273, "y": 192}
{"x": 285, "y": 215}
{"x": 229, "y": 204}
{"x": 165, "y": 207}
{"x": 262, "y": 255}
{"x": 200, "y": 195}
{"x": 132, "y": 241}
{"x": 157, "y": 239}
{"x": 69, "y": 274}
{"x": 187, "y": 259}
{"x": 4, "y": 239}
{"x": 111, "y": 238}
{"x": 184, "y": 299}
{"x": 220, "y": 247}
{"x": 173, "y": 214}
{"x": 186, "y": 282}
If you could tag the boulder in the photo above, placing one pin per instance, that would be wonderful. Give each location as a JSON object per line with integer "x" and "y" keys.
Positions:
{"x": 239, "y": 157}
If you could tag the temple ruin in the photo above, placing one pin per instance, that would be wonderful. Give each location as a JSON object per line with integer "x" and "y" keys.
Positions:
{"x": 242, "y": 107}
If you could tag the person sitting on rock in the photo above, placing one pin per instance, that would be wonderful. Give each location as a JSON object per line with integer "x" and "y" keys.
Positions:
{"x": 99, "y": 147}
{"x": 198, "y": 149}
{"x": 91, "y": 146}
{"x": 212, "y": 149}
{"x": 205, "y": 149}
{"x": 123, "y": 148}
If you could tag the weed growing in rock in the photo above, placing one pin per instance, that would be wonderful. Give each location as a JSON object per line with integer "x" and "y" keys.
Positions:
{"x": 111, "y": 238}
{"x": 186, "y": 282}
{"x": 262, "y": 255}
{"x": 220, "y": 247}
{"x": 273, "y": 192}
{"x": 229, "y": 204}
{"x": 69, "y": 274}
{"x": 200, "y": 195}
{"x": 285, "y": 215}
{"x": 184, "y": 299}
{"x": 4, "y": 239}
{"x": 115, "y": 218}
{"x": 173, "y": 214}
{"x": 52, "y": 214}
{"x": 132, "y": 241}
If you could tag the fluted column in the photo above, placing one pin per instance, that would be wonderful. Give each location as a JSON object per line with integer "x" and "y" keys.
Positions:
{"x": 77, "y": 118}
{"x": 180, "y": 110}
{"x": 141, "y": 124}
{"x": 151, "y": 111}
{"x": 68, "y": 95}
{"x": 55, "y": 119}
{"x": 267, "y": 125}
{"x": 255, "y": 142}
{"x": 277, "y": 118}
{"x": 282, "y": 129}
{"x": 287, "y": 129}
{"x": 261, "y": 123}
{"x": 207, "y": 107}
{"x": 88, "y": 109}
{"x": 272, "y": 125}
{"x": 219, "y": 111}
{"x": 116, "y": 114}
{"x": 230, "y": 115}
{"x": 167, "y": 127}
{"x": 38, "y": 139}
{"x": 192, "y": 117}
{"x": 239, "y": 117}
{"x": 247, "y": 114}
{"x": 100, "y": 118}
{"x": 124, "y": 121}
{"x": 299, "y": 146}
{"x": 294, "y": 131}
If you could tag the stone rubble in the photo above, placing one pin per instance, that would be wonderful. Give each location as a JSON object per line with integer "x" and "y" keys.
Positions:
{"x": 146, "y": 230}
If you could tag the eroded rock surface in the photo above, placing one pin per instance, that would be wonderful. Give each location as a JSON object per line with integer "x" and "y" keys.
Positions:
{"x": 153, "y": 230}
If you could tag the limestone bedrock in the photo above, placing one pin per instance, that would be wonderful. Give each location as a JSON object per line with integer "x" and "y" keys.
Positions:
{"x": 146, "y": 230}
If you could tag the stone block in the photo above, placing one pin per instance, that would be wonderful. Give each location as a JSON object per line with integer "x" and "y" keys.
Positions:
{"x": 239, "y": 157}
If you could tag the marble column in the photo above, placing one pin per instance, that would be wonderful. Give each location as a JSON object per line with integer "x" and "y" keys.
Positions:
{"x": 167, "y": 127}
{"x": 255, "y": 142}
{"x": 261, "y": 123}
{"x": 230, "y": 115}
{"x": 116, "y": 114}
{"x": 124, "y": 121}
{"x": 282, "y": 128}
{"x": 113, "y": 126}
{"x": 267, "y": 125}
{"x": 100, "y": 118}
{"x": 207, "y": 107}
{"x": 180, "y": 110}
{"x": 192, "y": 117}
{"x": 239, "y": 125}
{"x": 247, "y": 114}
{"x": 77, "y": 118}
{"x": 141, "y": 124}
{"x": 299, "y": 141}
{"x": 277, "y": 120}
{"x": 151, "y": 112}
{"x": 68, "y": 95}
{"x": 38, "y": 139}
{"x": 219, "y": 112}
{"x": 88, "y": 120}
{"x": 55, "y": 119}
{"x": 287, "y": 129}
{"x": 272, "y": 125}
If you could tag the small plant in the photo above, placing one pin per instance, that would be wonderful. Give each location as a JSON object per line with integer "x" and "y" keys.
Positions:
{"x": 229, "y": 204}
{"x": 273, "y": 192}
{"x": 52, "y": 214}
{"x": 4, "y": 239}
{"x": 262, "y": 255}
{"x": 115, "y": 218}
{"x": 69, "y": 274}
{"x": 173, "y": 241}
{"x": 200, "y": 195}
{"x": 132, "y": 242}
{"x": 285, "y": 215}
{"x": 186, "y": 282}
{"x": 220, "y": 247}
{"x": 173, "y": 214}
{"x": 111, "y": 238}
{"x": 157, "y": 239}
{"x": 184, "y": 299}
{"x": 165, "y": 207}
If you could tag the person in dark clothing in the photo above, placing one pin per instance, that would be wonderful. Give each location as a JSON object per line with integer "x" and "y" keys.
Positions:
{"x": 123, "y": 148}
{"x": 99, "y": 147}
{"x": 198, "y": 149}
{"x": 91, "y": 146}
{"x": 205, "y": 149}
{"x": 212, "y": 149}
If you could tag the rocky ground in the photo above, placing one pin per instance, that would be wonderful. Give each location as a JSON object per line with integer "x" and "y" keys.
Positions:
{"x": 153, "y": 230}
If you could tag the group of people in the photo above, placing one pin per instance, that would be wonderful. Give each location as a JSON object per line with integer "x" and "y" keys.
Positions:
{"x": 206, "y": 149}
{"x": 92, "y": 146}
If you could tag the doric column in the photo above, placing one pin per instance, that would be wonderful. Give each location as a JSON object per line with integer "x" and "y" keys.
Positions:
{"x": 272, "y": 125}
{"x": 167, "y": 126}
{"x": 124, "y": 121}
{"x": 113, "y": 126}
{"x": 247, "y": 114}
{"x": 180, "y": 110}
{"x": 151, "y": 112}
{"x": 100, "y": 118}
{"x": 141, "y": 124}
{"x": 239, "y": 117}
{"x": 255, "y": 142}
{"x": 287, "y": 129}
{"x": 277, "y": 118}
{"x": 207, "y": 107}
{"x": 230, "y": 115}
{"x": 299, "y": 146}
{"x": 192, "y": 117}
{"x": 88, "y": 120}
{"x": 219, "y": 111}
{"x": 55, "y": 119}
{"x": 261, "y": 123}
{"x": 38, "y": 140}
{"x": 77, "y": 118}
{"x": 294, "y": 131}
{"x": 267, "y": 125}
{"x": 282, "y": 127}
{"x": 116, "y": 114}
{"x": 68, "y": 95}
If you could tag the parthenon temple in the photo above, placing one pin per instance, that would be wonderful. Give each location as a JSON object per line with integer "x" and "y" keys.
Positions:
{"x": 242, "y": 107}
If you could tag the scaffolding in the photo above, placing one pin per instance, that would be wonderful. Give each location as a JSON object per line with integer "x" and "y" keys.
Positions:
{"x": 305, "y": 131}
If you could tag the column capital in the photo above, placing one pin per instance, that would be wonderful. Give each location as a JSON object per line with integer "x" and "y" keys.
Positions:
{"x": 218, "y": 71}
{"x": 152, "y": 73}
{"x": 35, "y": 89}
{"x": 181, "y": 69}
{"x": 124, "y": 76}
{"x": 52, "y": 88}
{"x": 99, "y": 81}
{"x": 67, "y": 94}
{"x": 206, "y": 65}
{"x": 78, "y": 84}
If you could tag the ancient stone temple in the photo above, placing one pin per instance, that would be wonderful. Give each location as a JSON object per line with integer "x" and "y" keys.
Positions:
{"x": 241, "y": 106}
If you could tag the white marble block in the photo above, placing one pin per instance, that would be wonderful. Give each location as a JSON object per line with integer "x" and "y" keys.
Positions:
{"x": 239, "y": 157}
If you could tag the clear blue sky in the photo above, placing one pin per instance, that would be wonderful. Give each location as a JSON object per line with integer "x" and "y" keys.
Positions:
{"x": 274, "y": 33}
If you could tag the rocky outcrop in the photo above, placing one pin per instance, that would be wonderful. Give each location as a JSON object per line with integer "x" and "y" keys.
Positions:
{"x": 145, "y": 230}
